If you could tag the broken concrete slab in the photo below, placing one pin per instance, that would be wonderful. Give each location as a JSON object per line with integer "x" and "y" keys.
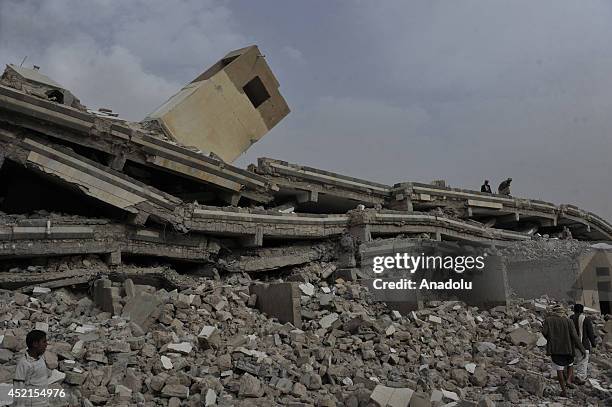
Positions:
{"x": 141, "y": 307}
{"x": 522, "y": 336}
{"x": 279, "y": 300}
{"x": 392, "y": 397}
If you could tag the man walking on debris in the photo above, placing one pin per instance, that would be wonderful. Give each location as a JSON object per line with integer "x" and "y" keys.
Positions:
{"x": 566, "y": 233}
{"x": 504, "y": 187}
{"x": 584, "y": 327}
{"x": 486, "y": 187}
{"x": 562, "y": 340}
{"x": 31, "y": 372}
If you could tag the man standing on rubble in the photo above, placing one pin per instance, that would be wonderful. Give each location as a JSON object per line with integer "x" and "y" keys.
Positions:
{"x": 31, "y": 372}
{"x": 504, "y": 187}
{"x": 486, "y": 187}
{"x": 562, "y": 340}
{"x": 584, "y": 327}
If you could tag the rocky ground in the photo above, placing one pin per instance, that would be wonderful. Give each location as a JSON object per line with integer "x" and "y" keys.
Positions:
{"x": 209, "y": 345}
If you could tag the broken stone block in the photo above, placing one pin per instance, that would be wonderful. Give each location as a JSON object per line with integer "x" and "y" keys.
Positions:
{"x": 5, "y": 355}
{"x": 11, "y": 342}
{"x": 56, "y": 377}
{"x": 96, "y": 357}
{"x": 107, "y": 297}
{"x": 123, "y": 391}
{"x": 299, "y": 390}
{"x": 297, "y": 336}
{"x": 129, "y": 288}
{"x": 183, "y": 347}
{"x": 328, "y": 320}
{"x": 166, "y": 363}
{"x": 250, "y": 386}
{"x": 521, "y": 336}
{"x": 175, "y": 390}
{"x": 118, "y": 347}
{"x": 42, "y": 326}
{"x": 460, "y": 376}
{"x": 484, "y": 347}
{"x": 435, "y": 319}
{"x": 479, "y": 377}
{"x": 485, "y": 401}
{"x": 280, "y": 301}
{"x": 51, "y": 360}
{"x": 158, "y": 381}
{"x": 420, "y": 400}
{"x": 139, "y": 308}
{"x": 211, "y": 398}
{"x": 311, "y": 380}
{"x": 392, "y": 397}
{"x": 21, "y": 299}
{"x": 41, "y": 290}
{"x": 533, "y": 384}
{"x": 75, "y": 378}
{"x": 209, "y": 338}
{"x": 284, "y": 385}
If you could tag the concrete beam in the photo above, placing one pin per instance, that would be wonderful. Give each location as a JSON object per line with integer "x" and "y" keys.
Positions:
{"x": 255, "y": 240}
{"x": 513, "y": 217}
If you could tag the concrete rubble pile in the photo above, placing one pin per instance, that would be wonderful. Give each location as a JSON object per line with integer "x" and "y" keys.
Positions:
{"x": 129, "y": 344}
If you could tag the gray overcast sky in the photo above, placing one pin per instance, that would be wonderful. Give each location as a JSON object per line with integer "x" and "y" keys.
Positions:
{"x": 389, "y": 91}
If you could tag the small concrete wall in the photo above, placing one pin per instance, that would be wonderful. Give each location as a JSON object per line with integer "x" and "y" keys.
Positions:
{"x": 555, "y": 278}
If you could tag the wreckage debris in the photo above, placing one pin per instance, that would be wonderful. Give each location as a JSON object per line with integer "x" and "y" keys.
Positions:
{"x": 165, "y": 275}
{"x": 207, "y": 345}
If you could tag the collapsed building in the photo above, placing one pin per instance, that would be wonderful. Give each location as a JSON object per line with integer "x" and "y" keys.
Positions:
{"x": 77, "y": 183}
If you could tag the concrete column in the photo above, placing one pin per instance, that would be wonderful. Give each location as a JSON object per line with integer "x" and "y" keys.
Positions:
{"x": 231, "y": 199}
{"x": 255, "y": 240}
{"x": 362, "y": 233}
{"x": 307, "y": 196}
{"x": 117, "y": 162}
{"x": 113, "y": 258}
{"x": 138, "y": 219}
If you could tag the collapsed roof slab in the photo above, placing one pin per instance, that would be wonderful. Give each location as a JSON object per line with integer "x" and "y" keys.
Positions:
{"x": 123, "y": 142}
{"x": 258, "y": 225}
{"x": 92, "y": 179}
{"x": 22, "y": 239}
{"x": 502, "y": 208}
{"x": 318, "y": 189}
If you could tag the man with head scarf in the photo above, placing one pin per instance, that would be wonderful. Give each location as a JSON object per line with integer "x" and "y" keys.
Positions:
{"x": 562, "y": 340}
{"x": 504, "y": 187}
{"x": 586, "y": 334}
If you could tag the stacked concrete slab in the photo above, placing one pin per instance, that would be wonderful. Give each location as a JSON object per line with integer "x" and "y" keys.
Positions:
{"x": 163, "y": 189}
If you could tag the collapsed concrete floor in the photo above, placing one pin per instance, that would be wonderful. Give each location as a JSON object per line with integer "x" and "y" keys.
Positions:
{"x": 248, "y": 287}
